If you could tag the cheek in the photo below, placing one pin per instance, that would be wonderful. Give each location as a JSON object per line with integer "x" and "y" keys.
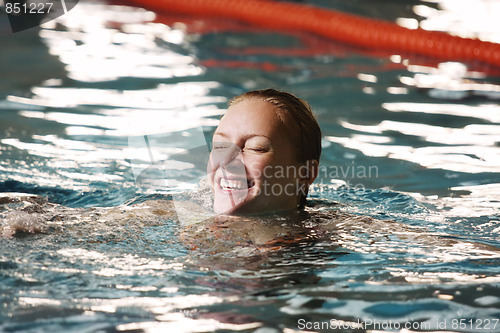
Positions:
{"x": 256, "y": 166}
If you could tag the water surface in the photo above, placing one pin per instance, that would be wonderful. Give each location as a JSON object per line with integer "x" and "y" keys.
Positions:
{"x": 404, "y": 218}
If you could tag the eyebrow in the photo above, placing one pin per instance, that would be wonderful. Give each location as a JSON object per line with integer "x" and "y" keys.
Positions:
{"x": 246, "y": 137}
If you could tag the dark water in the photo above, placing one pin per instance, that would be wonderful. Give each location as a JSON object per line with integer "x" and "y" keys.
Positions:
{"x": 410, "y": 142}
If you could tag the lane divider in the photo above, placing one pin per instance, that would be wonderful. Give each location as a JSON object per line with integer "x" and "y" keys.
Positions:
{"x": 347, "y": 28}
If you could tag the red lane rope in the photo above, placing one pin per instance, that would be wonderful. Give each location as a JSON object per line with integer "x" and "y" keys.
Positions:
{"x": 347, "y": 28}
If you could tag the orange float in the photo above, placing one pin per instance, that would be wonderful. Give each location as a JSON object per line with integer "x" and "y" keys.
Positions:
{"x": 347, "y": 28}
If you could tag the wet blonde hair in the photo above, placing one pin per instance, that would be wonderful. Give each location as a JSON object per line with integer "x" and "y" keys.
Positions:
{"x": 297, "y": 117}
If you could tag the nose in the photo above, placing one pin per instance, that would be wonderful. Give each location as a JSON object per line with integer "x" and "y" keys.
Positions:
{"x": 224, "y": 154}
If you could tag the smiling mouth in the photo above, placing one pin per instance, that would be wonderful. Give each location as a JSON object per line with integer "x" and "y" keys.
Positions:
{"x": 235, "y": 185}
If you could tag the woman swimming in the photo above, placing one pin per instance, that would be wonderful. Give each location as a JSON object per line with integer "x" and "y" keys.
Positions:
{"x": 264, "y": 158}
{"x": 265, "y": 154}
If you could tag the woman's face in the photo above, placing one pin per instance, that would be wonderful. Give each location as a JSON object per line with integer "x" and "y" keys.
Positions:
{"x": 253, "y": 166}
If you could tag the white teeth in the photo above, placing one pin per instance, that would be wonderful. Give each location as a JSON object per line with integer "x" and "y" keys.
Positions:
{"x": 233, "y": 184}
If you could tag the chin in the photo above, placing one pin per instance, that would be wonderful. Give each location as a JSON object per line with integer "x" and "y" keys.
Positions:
{"x": 232, "y": 203}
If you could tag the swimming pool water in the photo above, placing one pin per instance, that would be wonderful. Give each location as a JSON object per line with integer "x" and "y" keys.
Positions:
{"x": 404, "y": 218}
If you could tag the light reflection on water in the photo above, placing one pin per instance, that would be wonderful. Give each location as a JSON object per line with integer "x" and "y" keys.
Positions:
{"x": 471, "y": 149}
{"x": 94, "y": 50}
{"x": 461, "y": 19}
{"x": 432, "y": 131}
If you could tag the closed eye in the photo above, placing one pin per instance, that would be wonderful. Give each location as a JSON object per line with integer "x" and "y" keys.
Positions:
{"x": 221, "y": 146}
{"x": 255, "y": 149}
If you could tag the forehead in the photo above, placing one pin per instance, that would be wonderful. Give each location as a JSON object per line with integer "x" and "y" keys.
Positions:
{"x": 251, "y": 116}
